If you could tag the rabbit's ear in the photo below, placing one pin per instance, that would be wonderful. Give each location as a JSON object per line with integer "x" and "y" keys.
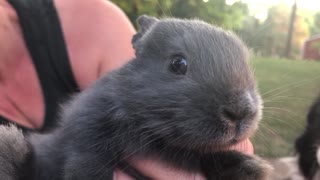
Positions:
{"x": 144, "y": 22}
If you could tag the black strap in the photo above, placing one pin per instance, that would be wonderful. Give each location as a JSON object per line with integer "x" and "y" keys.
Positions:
{"x": 44, "y": 39}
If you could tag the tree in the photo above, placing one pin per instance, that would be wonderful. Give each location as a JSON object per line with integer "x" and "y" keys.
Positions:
{"x": 253, "y": 34}
{"x": 315, "y": 26}
{"x": 271, "y": 35}
{"x": 135, "y": 8}
{"x": 290, "y": 29}
{"x": 300, "y": 34}
{"x": 213, "y": 11}
{"x": 276, "y": 28}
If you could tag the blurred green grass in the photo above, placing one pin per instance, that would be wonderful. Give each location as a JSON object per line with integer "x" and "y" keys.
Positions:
{"x": 288, "y": 88}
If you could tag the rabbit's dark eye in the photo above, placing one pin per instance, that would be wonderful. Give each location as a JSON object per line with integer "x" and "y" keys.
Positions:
{"x": 179, "y": 65}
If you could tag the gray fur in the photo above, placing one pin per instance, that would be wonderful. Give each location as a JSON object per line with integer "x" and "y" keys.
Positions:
{"x": 13, "y": 151}
{"x": 145, "y": 108}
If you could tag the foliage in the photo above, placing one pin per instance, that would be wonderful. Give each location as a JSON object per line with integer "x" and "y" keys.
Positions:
{"x": 315, "y": 26}
{"x": 254, "y": 33}
{"x": 269, "y": 37}
{"x": 135, "y": 8}
{"x": 300, "y": 34}
{"x": 214, "y": 11}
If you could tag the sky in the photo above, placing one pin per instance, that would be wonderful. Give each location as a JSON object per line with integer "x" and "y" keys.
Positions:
{"x": 259, "y": 8}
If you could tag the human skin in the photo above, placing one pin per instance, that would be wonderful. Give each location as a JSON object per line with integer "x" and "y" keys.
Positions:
{"x": 160, "y": 171}
{"x": 98, "y": 42}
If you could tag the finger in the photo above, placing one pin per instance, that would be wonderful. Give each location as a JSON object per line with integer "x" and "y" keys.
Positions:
{"x": 120, "y": 175}
{"x": 244, "y": 146}
{"x": 160, "y": 171}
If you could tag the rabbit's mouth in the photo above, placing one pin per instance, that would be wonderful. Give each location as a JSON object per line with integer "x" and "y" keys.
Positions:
{"x": 232, "y": 137}
{"x": 236, "y": 135}
{"x": 242, "y": 145}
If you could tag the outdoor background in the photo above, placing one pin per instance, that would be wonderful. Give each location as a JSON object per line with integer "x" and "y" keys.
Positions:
{"x": 275, "y": 31}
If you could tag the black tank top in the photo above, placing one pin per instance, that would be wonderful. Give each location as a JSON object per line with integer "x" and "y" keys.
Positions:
{"x": 44, "y": 39}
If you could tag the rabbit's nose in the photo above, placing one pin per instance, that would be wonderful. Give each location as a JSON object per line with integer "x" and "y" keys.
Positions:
{"x": 241, "y": 108}
{"x": 235, "y": 114}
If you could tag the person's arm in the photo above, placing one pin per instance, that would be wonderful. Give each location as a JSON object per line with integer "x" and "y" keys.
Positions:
{"x": 118, "y": 42}
{"x": 98, "y": 37}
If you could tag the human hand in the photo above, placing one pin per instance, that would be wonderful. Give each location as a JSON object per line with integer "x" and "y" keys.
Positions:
{"x": 160, "y": 171}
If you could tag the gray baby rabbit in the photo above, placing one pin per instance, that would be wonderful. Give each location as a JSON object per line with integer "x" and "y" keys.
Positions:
{"x": 188, "y": 92}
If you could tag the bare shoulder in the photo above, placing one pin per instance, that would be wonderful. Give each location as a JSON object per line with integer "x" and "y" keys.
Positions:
{"x": 98, "y": 37}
